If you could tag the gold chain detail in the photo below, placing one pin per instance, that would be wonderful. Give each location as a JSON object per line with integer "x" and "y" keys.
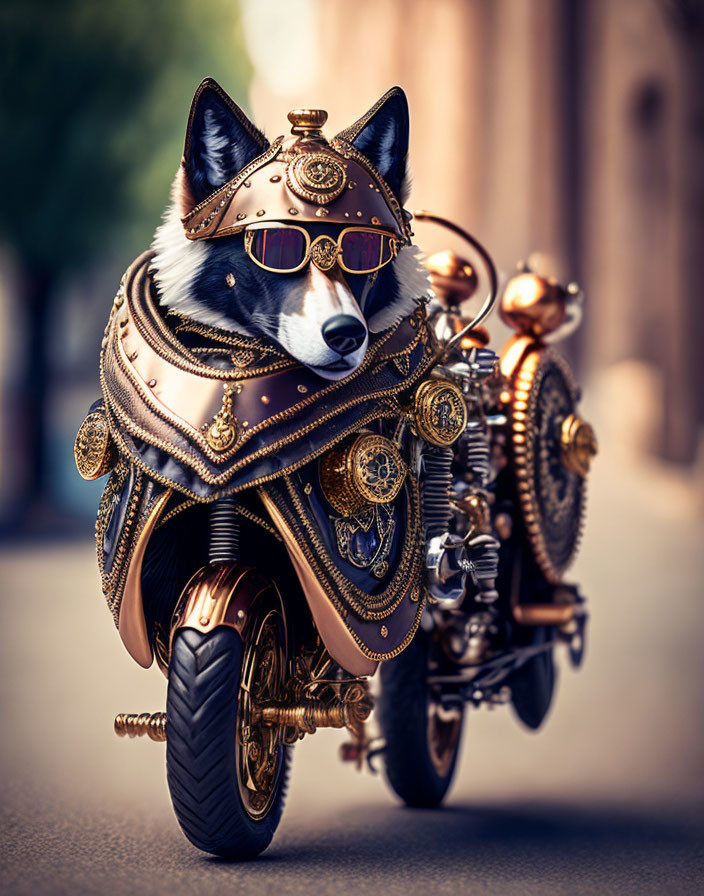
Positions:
{"x": 221, "y": 433}
{"x": 113, "y": 581}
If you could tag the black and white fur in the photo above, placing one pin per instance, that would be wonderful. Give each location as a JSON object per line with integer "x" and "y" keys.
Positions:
{"x": 190, "y": 275}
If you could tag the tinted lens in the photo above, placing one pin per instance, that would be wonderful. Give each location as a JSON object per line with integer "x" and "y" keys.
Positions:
{"x": 279, "y": 248}
{"x": 365, "y": 250}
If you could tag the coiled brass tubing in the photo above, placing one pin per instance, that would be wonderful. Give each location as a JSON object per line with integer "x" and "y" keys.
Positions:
{"x": 151, "y": 724}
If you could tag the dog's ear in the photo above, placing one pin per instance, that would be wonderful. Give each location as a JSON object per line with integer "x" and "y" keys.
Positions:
{"x": 382, "y": 136}
{"x": 220, "y": 140}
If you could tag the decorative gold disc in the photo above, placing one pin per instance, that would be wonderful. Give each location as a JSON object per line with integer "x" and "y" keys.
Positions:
{"x": 578, "y": 444}
{"x": 221, "y": 434}
{"x": 93, "y": 450}
{"x": 369, "y": 471}
{"x": 316, "y": 177}
{"x": 440, "y": 412}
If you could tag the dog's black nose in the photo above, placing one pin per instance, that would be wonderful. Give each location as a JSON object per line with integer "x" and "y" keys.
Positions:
{"x": 344, "y": 333}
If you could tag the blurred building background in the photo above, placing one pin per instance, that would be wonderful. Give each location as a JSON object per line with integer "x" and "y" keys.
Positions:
{"x": 569, "y": 128}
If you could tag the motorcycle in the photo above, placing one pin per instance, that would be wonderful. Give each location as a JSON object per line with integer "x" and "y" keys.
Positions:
{"x": 425, "y": 532}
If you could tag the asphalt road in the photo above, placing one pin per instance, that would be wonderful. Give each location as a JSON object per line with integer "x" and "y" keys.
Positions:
{"x": 606, "y": 798}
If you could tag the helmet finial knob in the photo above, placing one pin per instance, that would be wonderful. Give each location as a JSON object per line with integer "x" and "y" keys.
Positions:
{"x": 307, "y": 122}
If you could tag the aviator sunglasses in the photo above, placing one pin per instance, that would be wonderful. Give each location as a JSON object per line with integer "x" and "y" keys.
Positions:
{"x": 286, "y": 248}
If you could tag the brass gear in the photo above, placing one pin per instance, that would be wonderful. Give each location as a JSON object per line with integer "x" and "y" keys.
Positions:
{"x": 551, "y": 492}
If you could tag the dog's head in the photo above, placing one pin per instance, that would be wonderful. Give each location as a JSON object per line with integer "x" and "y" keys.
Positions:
{"x": 320, "y": 314}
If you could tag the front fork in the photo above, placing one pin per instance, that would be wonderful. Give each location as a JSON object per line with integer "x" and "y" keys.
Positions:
{"x": 225, "y": 592}
{"x": 224, "y": 535}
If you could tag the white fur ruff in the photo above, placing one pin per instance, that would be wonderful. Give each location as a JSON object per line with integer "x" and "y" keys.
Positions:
{"x": 414, "y": 285}
{"x": 177, "y": 263}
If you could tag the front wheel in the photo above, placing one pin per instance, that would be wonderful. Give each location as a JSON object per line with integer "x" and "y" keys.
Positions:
{"x": 422, "y": 737}
{"x": 227, "y": 775}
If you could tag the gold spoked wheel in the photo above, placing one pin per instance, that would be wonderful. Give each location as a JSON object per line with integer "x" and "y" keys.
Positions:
{"x": 444, "y": 729}
{"x": 259, "y": 747}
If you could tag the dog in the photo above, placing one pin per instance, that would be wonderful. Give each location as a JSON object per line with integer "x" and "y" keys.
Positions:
{"x": 322, "y": 319}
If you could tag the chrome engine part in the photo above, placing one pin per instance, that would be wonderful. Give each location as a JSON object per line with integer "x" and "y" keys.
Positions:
{"x": 467, "y": 639}
{"x": 456, "y": 558}
{"x": 447, "y": 568}
{"x": 436, "y": 482}
{"x": 446, "y": 562}
{"x": 483, "y": 553}
{"x": 474, "y": 454}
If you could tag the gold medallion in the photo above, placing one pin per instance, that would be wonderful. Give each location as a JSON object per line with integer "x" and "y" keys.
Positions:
{"x": 316, "y": 177}
{"x": 369, "y": 471}
{"x": 440, "y": 412}
{"x": 93, "y": 449}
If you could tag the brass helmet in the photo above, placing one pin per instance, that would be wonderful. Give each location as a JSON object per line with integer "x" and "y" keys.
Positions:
{"x": 302, "y": 178}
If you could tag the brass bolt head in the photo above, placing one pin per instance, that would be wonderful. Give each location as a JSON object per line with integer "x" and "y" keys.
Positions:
{"x": 578, "y": 445}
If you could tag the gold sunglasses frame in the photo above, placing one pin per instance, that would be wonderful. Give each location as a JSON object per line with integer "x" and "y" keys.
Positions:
{"x": 325, "y": 259}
